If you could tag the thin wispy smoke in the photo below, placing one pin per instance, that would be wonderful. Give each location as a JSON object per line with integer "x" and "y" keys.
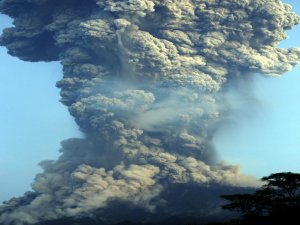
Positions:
{"x": 144, "y": 81}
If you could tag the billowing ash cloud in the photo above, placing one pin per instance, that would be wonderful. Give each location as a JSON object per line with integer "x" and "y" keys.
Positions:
{"x": 144, "y": 81}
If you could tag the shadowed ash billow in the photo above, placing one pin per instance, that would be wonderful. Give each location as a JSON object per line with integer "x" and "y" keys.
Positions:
{"x": 144, "y": 80}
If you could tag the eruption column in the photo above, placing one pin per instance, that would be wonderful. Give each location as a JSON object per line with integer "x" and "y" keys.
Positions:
{"x": 144, "y": 80}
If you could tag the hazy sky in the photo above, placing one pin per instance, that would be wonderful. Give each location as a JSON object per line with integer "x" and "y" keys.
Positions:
{"x": 263, "y": 138}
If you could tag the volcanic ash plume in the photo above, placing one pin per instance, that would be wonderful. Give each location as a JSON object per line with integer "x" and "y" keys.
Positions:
{"x": 144, "y": 81}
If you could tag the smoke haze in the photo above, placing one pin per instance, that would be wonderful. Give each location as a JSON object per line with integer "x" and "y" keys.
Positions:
{"x": 145, "y": 81}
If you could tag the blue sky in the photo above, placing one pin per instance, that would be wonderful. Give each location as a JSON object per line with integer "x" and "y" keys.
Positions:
{"x": 33, "y": 121}
{"x": 266, "y": 139}
{"x": 263, "y": 138}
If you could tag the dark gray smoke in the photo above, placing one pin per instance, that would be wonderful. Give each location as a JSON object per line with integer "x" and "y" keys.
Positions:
{"x": 144, "y": 81}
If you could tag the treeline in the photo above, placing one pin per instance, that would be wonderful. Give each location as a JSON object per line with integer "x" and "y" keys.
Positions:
{"x": 275, "y": 203}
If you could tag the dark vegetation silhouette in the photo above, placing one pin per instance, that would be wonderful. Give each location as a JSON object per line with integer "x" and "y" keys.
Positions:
{"x": 276, "y": 202}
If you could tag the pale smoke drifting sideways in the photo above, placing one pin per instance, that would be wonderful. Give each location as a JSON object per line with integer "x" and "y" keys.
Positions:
{"x": 143, "y": 79}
